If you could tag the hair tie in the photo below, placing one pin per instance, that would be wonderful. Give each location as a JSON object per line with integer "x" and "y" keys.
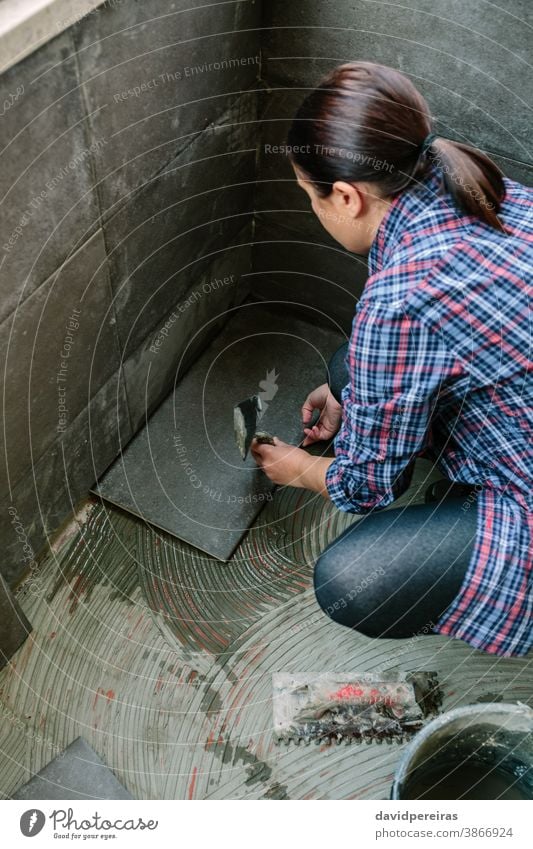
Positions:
{"x": 426, "y": 144}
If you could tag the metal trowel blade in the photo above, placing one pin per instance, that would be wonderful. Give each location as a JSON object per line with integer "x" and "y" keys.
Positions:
{"x": 245, "y": 423}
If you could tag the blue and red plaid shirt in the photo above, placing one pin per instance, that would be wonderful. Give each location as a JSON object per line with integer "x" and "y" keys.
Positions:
{"x": 440, "y": 366}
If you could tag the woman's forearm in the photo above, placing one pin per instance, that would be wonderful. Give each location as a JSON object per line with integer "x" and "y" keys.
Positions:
{"x": 313, "y": 475}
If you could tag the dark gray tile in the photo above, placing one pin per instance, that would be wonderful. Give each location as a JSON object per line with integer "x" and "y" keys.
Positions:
{"x": 49, "y": 492}
{"x": 520, "y": 171}
{"x": 172, "y": 229}
{"x": 288, "y": 265}
{"x": 48, "y": 207}
{"x": 56, "y": 358}
{"x": 77, "y": 773}
{"x": 294, "y": 258}
{"x": 151, "y": 370}
{"x": 471, "y": 64}
{"x": 14, "y": 627}
{"x": 277, "y": 189}
{"x": 138, "y": 62}
{"x": 183, "y": 472}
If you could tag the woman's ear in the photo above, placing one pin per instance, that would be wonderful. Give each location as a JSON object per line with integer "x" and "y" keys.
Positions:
{"x": 347, "y": 198}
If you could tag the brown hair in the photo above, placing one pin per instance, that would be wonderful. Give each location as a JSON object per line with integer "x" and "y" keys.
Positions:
{"x": 367, "y": 122}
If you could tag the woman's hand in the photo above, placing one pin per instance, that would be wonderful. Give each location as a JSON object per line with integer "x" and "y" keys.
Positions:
{"x": 281, "y": 463}
{"x": 288, "y": 465}
{"x": 330, "y": 416}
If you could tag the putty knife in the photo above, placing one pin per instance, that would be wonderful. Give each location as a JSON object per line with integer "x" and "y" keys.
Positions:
{"x": 245, "y": 423}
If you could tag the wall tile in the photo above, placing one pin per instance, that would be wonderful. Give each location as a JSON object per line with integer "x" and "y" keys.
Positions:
{"x": 162, "y": 360}
{"x": 519, "y": 171}
{"x": 55, "y": 356}
{"x": 159, "y": 242}
{"x": 145, "y": 68}
{"x": 278, "y": 196}
{"x": 47, "y": 494}
{"x": 288, "y": 267}
{"x": 294, "y": 258}
{"x": 48, "y": 207}
{"x": 469, "y": 60}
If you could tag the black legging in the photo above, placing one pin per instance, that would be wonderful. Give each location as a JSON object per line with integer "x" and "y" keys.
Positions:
{"x": 393, "y": 573}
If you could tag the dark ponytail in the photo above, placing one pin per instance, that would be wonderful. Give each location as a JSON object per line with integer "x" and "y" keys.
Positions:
{"x": 368, "y": 123}
{"x": 474, "y": 181}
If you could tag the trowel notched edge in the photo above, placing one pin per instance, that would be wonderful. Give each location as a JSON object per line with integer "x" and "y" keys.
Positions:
{"x": 366, "y": 707}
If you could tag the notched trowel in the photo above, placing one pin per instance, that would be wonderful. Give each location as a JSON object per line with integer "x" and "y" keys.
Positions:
{"x": 245, "y": 417}
{"x": 339, "y": 708}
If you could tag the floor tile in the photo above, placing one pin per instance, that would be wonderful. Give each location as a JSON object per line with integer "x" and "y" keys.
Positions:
{"x": 183, "y": 472}
{"x": 77, "y": 773}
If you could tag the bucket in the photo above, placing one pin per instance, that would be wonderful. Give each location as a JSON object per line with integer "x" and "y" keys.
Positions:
{"x": 482, "y": 751}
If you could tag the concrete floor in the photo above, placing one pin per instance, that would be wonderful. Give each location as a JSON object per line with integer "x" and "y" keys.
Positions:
{"x": 161, "y": 659}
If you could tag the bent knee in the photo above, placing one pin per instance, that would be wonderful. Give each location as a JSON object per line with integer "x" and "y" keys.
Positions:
{"x": 326, "y": 584}
{"x": 343, "y": 597}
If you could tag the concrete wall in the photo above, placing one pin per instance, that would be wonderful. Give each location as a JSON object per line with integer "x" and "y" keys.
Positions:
{"x": 127, "y": 178}
{"x": 468, "y": 59}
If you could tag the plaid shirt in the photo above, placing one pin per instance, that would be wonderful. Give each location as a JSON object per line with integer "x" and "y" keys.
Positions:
{"x": 439, "y": 362}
